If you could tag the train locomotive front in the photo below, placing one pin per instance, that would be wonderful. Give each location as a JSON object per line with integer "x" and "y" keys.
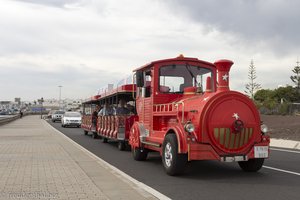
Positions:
{"x": 210, "y": 124}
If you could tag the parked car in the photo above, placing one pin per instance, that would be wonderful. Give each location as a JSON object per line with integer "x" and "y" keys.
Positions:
{"x": 3, "y": 112}
{"x": 57, "y": 115}
{"x": 71, "y": 119}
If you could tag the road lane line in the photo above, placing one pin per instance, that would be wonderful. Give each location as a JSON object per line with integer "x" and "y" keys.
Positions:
{"x": 284, "y": 150}
{"x": 117, "y": 172}
{"x": 281, "y": 170}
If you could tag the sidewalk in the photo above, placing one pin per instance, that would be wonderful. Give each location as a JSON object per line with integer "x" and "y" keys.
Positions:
{"x": 37, "y": 162}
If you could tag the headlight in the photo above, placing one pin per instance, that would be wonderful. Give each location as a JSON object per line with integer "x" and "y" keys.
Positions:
{"x": 264, "y": 128}
{"x": 189, "y": 127}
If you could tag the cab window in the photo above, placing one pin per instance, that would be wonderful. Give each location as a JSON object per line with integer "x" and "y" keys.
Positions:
{"x": 174, "y": 78}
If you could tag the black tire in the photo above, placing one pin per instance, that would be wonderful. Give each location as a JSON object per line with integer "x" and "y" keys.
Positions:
{"x": 139, "y": 154}
{"x": 94, "y": 135}
{"x": 104, "y": 140}
{"x": 121, "y": 145}
{"x": 252, "y": 165}
{"x": 174, "y": 163}
{"x": 85, "y": 132}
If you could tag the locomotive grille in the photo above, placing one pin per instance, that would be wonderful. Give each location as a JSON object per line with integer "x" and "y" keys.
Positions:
{"x": 230, "y": 140}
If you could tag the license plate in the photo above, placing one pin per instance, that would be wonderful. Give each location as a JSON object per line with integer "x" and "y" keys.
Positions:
{"x": 261, "y": 152}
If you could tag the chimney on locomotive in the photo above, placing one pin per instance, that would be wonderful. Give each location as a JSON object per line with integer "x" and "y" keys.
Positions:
{"x": 223, "y": 68}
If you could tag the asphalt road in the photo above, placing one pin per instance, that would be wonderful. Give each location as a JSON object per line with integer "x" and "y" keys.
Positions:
{"x": 203, "y": 179}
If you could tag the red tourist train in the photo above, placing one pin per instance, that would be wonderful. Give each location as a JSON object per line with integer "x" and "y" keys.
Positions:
{"x": 184, "y": 110}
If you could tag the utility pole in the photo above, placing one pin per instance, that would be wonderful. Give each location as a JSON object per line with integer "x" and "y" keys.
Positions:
{"x": 41, "y": 103}
{"x": 59, "y": 101}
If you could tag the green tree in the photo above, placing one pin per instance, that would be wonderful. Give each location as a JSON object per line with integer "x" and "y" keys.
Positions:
{"x": 296, "y": 77}
{"x": 288, "y": 93}
{"x": 252, "y": 86}
{"x": 263, "y": 95}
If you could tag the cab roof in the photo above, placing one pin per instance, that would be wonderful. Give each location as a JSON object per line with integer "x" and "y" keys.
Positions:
{"x": 179, "y": 58}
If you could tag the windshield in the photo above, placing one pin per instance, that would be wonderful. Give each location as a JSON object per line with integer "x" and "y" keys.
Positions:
{"x": 174, "y": 78}
{"x": 73, "y": 114}
{"x": 59, "y": 112}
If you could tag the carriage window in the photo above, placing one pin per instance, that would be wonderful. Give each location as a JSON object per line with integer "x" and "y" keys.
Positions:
{"x": 174, "y": 78}
{"x": 87, "y": 109}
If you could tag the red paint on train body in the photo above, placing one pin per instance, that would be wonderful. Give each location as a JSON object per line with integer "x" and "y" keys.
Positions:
{"x": 186, "y": 111}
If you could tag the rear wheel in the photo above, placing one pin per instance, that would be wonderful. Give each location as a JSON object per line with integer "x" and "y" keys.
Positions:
{"x": 174, "y": 163}
{"x": 104, "y": 140}
{"x": 85, "y": 132}
{"x": 252, "y": 165}
{"x": 121, "y": 145}
{"x": 94, "y": 135}
{"x": 139, "y": 154}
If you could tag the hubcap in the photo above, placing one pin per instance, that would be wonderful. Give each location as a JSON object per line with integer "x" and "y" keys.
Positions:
{"x": 168, "y": 155}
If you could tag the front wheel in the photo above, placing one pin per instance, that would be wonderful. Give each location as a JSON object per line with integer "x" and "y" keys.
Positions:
{"x": 139, "y": 154}
{"x": 252, "y": 165}
{"x": 85, "y": 132}
{"x": 174, "y": 163}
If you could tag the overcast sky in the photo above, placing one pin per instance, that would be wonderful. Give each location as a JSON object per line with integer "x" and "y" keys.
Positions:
{"x": 85, "y": 44}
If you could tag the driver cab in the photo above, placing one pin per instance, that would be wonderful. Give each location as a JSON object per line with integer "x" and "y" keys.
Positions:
{"x": 167, "y": 81}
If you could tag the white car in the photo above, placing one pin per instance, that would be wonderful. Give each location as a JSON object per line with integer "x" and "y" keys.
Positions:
{"x": 71, "y": 119}
{"x": 57, "y": 115}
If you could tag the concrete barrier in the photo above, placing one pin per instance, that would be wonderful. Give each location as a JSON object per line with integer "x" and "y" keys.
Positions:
{"x": 5, "y": 120}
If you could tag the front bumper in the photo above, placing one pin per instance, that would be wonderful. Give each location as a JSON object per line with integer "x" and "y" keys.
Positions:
{"x": 197, "y": 151}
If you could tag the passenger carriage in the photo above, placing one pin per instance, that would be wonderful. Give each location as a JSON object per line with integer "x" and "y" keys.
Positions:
{"x": 88, "y": 107}
{"x": 116, "y": 127}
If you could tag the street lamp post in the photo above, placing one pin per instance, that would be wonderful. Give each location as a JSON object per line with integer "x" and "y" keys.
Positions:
{"x": 41, "y": 102}
{"x": 59, "y": 101}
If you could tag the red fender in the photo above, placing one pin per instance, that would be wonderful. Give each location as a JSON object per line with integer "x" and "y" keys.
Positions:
{"x": 134, "y": 135}
{"x": 181, "y": 138}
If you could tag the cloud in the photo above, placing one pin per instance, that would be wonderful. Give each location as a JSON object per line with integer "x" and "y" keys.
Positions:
{"x": 78, "y": 82}
{"x": 55, "y": 3}
{"x": 273, "y": 24}
{"x": 49, "y": 43}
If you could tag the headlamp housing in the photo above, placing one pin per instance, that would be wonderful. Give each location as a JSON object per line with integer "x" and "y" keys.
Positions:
{"x": 189, "y": 127}
{"x": 264, "y": 128}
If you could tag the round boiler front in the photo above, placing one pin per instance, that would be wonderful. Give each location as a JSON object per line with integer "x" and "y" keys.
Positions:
{"x": 233, "y": 122}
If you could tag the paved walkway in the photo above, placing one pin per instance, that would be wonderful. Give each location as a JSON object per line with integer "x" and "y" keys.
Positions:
{"x": 38, "y": 162}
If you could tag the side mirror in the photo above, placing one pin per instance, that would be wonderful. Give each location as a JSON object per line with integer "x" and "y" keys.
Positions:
{"x": 139, "y": 79}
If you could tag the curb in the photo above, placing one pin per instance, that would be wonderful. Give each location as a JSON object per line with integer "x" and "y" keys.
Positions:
{"x": 139, "y": 186}
{"x": 289, "y": 144}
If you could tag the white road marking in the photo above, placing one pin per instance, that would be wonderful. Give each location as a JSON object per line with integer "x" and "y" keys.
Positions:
{"x": 284, "y": 150}
{"x": 281, "y": 170}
